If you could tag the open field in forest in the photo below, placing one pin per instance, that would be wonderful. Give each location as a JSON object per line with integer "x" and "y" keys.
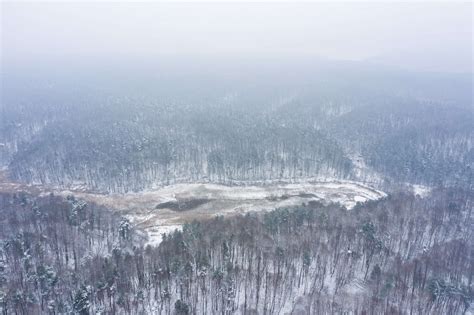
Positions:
{"x": 165, "y": 209}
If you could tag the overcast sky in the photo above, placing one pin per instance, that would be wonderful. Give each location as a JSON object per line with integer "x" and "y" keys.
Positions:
{"x": 427, "y": 35}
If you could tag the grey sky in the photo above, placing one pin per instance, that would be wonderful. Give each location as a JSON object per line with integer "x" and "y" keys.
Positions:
{"x": 426, "y": 35}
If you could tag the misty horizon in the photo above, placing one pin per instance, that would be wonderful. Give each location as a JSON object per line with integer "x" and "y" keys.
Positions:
{"x": 419, "y": 36}
{"x": 236, "y": 158}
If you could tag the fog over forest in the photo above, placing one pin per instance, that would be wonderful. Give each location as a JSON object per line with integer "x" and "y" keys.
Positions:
{"x": 236, "y": 158}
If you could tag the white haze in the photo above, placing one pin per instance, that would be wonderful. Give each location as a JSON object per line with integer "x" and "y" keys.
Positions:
{"x": 424, "y": 36}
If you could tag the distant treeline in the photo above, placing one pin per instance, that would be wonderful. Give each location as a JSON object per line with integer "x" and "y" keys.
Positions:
{"x": 121, "y": 134}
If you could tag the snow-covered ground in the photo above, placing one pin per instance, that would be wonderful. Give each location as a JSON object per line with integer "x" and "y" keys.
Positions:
{"x": 168, "y": 208}
{"x": 420, "y": 190}
{"x": 362, "y": 171}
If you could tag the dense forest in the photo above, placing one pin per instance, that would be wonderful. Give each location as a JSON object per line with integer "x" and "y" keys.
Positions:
{"x": 236, "y": 157}
{"x": 128, "y": 130}
{"x": 402, "y": 254}
{"x": 405, "y": 253}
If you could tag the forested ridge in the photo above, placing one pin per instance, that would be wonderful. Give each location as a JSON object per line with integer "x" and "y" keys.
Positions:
{"x": 402, "y": 254}
{"x": 236, "y": 158}
{"x": 122, "y": 131}
{"x": 120, "y": 134}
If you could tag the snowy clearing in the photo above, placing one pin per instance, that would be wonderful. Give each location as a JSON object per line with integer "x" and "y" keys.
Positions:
{"x": 166, "y": 209}
{"x": 420, "y": 190}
